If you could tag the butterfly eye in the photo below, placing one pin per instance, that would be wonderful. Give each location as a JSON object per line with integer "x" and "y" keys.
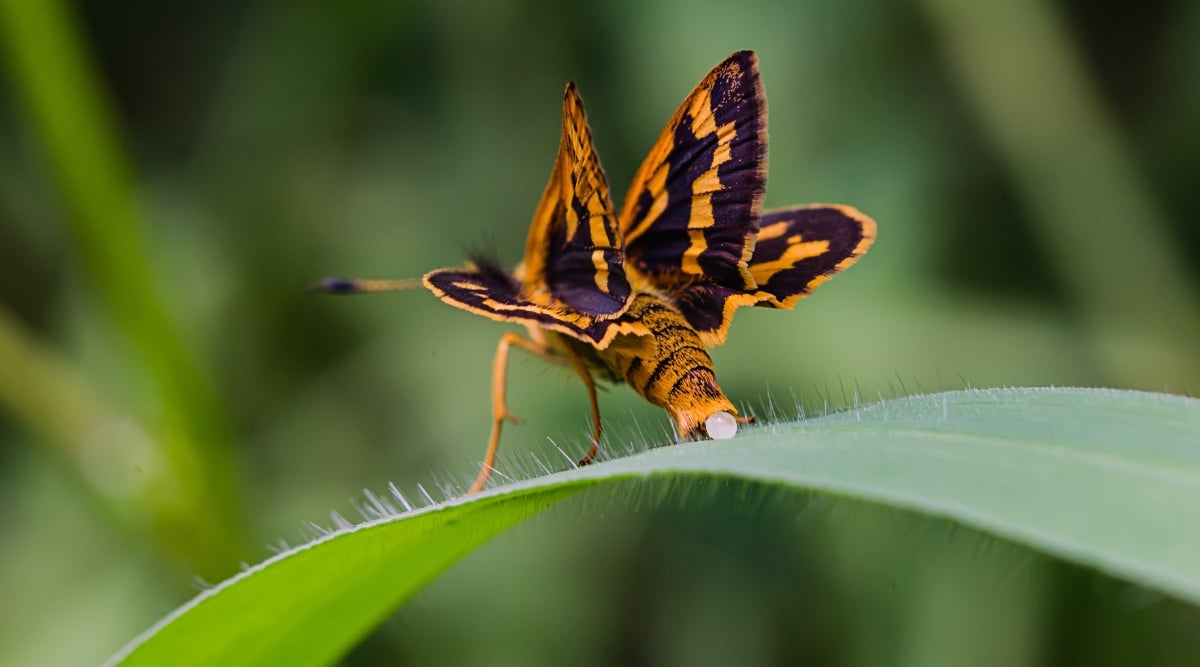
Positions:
{"x": 721, "y": 426}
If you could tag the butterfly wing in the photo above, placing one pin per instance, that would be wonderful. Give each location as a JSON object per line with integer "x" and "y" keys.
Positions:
{"x": 797, "y": 249}
{"x": 803, "y": 246}
{"x": 573, "y": 254}
{"x": 494, "y": 293}
{"x": 694, "y": 205}
{"x": 572, "y": 279}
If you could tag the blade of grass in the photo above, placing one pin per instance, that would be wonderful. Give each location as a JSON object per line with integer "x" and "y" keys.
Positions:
{"x": 106, "y": 446}
{"x": 1101, "y": 478}
{"x": 71, "y": 119}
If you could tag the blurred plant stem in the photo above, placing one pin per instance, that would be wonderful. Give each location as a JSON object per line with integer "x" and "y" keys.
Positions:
{"x": 109, "y": 449}
{"x": 195, "y": 516}
{"x": 1038, "y": 107}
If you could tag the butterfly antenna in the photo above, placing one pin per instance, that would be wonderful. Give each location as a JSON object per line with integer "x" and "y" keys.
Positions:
{"x": 356, "y": 286}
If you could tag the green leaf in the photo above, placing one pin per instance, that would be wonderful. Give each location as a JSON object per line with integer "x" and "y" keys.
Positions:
{"x": 1109, "y": 479}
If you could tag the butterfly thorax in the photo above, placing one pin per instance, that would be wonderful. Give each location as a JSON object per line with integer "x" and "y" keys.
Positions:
{"x": 676, "y": 376}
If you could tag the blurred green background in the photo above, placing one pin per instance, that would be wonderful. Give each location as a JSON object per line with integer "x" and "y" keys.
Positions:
{"x": 172, "y": 401}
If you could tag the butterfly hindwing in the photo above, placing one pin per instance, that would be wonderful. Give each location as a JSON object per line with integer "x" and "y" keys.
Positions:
{"x": 695, "y": 201}
{"x": 801, "y": 247}
{"x": 797, "y": 249}
{"x": 574, "y": 253}
{"x": 494, "y": 293}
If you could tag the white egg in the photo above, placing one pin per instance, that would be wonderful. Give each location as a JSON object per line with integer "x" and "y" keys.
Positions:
{"x": 721, "y": 426}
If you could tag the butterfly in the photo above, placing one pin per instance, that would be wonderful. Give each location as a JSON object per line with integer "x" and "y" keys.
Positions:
{"x": 640, "y": 295}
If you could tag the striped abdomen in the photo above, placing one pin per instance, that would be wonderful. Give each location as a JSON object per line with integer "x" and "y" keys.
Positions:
{"x": 678, "y": 376}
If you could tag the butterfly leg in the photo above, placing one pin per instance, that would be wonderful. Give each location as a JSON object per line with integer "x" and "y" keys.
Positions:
{"x": 590, "y": 383}
{"x": 745, "y": 420}
{"x": 500, "y": 412}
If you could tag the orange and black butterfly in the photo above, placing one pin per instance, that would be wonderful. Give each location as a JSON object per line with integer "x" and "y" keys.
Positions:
{"x": 639, "y": 296}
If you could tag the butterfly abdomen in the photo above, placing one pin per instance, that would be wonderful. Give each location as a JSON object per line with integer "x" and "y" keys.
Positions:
{"x": 678, "y": 376}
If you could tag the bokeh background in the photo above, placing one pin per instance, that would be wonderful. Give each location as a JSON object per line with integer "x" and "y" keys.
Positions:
{"x": 172, "y": 402}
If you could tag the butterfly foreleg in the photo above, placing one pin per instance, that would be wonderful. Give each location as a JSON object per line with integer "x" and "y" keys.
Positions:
{"x": 590, "y": 384}
{"x": 500, "y": 412}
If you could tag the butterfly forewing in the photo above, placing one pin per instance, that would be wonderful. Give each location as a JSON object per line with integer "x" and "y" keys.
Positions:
{"x": 573, "y": 254}
{"x": 694, "y": 204}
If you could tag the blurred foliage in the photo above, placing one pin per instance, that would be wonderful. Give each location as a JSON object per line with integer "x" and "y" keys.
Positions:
{"x": 172, "y": 176}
